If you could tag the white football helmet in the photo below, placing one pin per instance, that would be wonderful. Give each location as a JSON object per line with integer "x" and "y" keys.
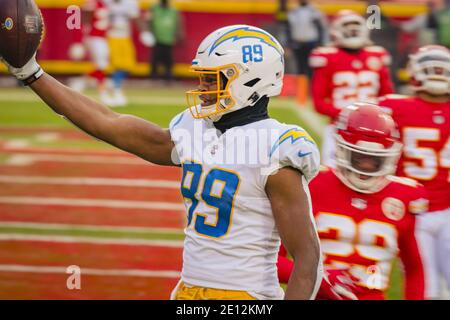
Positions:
{"x": 244, "y": 62}
{"x": 430, "y": 70}
{"x": 349, "y": 30}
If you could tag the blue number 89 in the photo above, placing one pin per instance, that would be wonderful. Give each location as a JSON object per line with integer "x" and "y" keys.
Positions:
{"x": 252, "y": 53}
{"x": 223, "y": 202}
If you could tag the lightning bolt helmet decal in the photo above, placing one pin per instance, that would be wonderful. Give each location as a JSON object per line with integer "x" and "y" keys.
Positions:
{"x": 246, "y": 32}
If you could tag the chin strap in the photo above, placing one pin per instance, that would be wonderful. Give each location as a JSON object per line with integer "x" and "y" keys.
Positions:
{"x": 244, "y": 116}
{"x": 351, "y": 51}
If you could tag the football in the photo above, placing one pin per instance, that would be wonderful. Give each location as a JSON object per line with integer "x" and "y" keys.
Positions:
{"x": 21, "y": 30}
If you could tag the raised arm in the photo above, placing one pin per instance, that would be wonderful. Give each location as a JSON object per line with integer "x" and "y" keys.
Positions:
{"x": 126, "y": 132}
{"x": 290, "y": 206}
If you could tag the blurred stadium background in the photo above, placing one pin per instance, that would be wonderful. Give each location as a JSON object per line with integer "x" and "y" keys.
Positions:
{"x": 66, "y": 199}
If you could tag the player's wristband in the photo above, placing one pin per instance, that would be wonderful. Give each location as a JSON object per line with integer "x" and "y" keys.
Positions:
{"x": 28, "y": 81}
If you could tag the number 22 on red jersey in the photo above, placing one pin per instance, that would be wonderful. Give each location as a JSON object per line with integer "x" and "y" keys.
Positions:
{"x": 352, "y": 86}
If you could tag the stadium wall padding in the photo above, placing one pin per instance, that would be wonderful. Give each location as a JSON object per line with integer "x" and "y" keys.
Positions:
{"x": 200, "y": 18}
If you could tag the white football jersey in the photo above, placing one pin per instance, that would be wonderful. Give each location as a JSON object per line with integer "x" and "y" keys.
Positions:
{"x": 231, "y": 239}
{"x": 121, "y": 12}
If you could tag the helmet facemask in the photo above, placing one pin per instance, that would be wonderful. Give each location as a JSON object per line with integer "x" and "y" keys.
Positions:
{"x": 350, "y": 32}
{"x": 209, "y": 103}
{"x": 364, "y": 166}
{"x": 431, "y": 73}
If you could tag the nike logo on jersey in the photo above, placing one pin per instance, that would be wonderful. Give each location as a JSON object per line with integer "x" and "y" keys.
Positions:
{"x": 301, "y": 154}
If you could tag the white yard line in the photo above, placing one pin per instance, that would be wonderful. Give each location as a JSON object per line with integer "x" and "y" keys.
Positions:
{"x": 145, "y": 100}
{"x": 105, "y": 203}
{"x": 91, "y": 271}
{"x": 167, "y": 184}
{"x": 47, "y": 136}
{"x": 16, "y": 144}
{"x": 149, "y": 100}
{"x": 22, "y": 159}
{"x": 91, "y": 240}
{"x": 60, "y": 226}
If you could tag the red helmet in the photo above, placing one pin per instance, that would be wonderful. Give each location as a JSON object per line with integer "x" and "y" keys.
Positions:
{"x": 429, "y": 68}
{"x": 349, "y": 30}
{"x": 367, "y": 147}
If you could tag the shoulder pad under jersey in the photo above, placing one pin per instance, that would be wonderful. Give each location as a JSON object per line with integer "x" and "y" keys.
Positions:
{"x": 376, "y": 49}
{"x": 295, "y": 148}
{"x": 405, "y": 181}
{"x": 319, "y": 57}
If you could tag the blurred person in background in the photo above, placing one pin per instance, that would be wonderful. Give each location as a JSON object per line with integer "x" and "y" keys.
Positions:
{"x": 424, "y": 124}
{"x": 349, "y": 70}
{"x": 422, "y": 30}
{"x": 97, "y": 44}
{"x": 282, "y": 23}
{"x": 279, "y": 28}
{"x": 167, "y": 28}
{"x": 123, "y": 14}
{"x": 443, "y": 25}
{"x": 425, "y": 25}
{"x": 93, "y": 38}
{"x": 307, "y": 29}
{"x": 387, "y": 36}
{"x": 368, "y": 217}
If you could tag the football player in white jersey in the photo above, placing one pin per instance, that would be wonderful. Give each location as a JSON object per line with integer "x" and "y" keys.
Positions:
{"x": 245, "y": 175}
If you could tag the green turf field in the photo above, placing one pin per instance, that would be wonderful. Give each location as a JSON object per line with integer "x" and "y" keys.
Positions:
{"x": 20, "y": 108}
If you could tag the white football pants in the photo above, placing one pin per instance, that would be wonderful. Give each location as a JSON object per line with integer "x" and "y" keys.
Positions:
{"x": 99, "y": 52}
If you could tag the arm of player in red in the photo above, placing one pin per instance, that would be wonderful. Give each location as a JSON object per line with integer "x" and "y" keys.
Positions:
{"x": 284, "y": 265}
{"x": 337, "y": 284}
{"x": 414, "y": 287}
{"x": 321, "y": 93}
{"x": 386, "y": 85}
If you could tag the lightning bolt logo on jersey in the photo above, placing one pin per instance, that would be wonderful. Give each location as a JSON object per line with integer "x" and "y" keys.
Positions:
{"x": 293, "y": 135}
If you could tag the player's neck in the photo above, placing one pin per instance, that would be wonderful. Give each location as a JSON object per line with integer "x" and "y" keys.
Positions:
{"x": 244, "y": 116}
{"x": 351, "y": 51}
{"x": 431, "y": 98}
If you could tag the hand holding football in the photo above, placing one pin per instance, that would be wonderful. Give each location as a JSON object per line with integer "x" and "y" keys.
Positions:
{"x": 21, "y": 31}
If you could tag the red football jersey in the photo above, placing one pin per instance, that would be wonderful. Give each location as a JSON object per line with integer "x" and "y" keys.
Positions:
{"x": 366, "y": 232}
{"x": 425, "y": 131}
{"x": 342, "y": 77}
{"x": 99, "y": 23}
